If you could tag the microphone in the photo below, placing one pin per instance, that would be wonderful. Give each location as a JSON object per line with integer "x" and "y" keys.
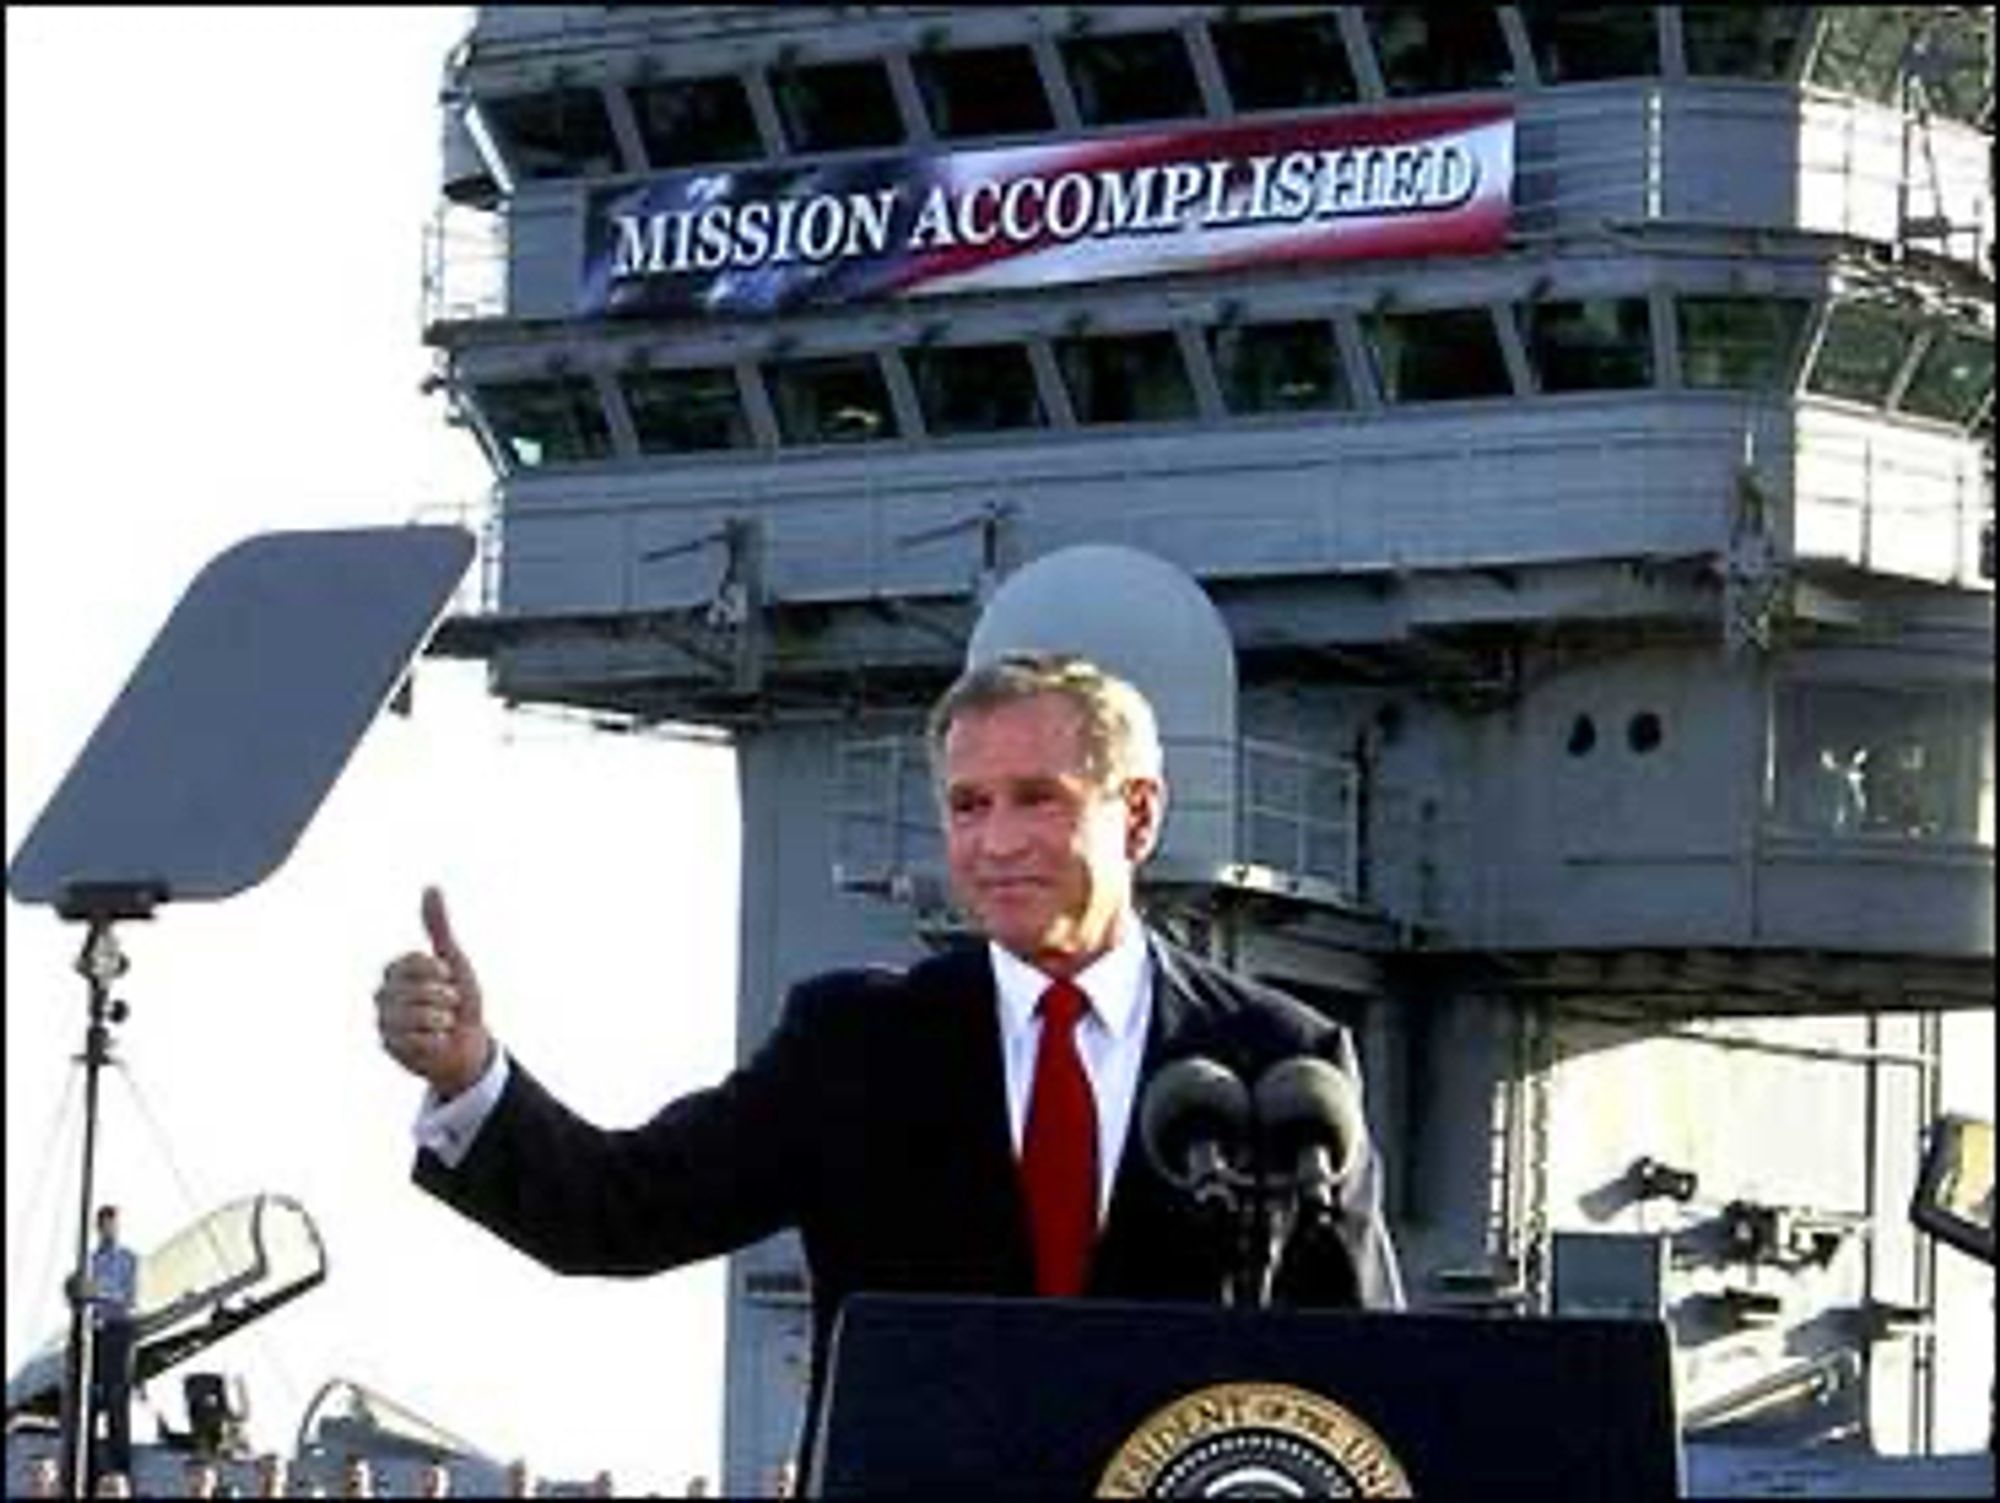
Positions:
{"x": 1309, "y": 1115}
{"x": 1193, "y": 1121}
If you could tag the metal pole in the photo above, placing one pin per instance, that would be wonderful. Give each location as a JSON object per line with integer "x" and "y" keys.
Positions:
{"x": 101, "y": 963}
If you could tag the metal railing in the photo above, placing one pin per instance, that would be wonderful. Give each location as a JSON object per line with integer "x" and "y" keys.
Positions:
{"x": 886, "y": 837}
{"x": 465, "y": 265}
{"x": 1297, "y": 816}
{"x": 1297, "y": 812}
{"x": 1591, "y": 160}
{"x": 478, "y": 593}
{"x": 1889, "y": 501}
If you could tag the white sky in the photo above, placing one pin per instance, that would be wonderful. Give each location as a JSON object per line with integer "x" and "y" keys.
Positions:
{"x": 214, "y": 258}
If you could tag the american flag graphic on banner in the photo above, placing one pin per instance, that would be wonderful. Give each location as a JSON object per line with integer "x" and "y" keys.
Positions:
{"x": 1420, "y": 181}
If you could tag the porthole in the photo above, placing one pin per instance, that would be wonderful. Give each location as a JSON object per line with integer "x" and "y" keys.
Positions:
{"x": 1643, "y": 733}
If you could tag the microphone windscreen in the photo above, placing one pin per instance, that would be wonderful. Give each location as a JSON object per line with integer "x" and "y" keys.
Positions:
{"x": 1192, "y": 1100}
{"x": 1305, "y": 1101}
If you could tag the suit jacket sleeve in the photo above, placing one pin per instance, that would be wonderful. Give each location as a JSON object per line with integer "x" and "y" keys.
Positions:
{"x": 712, "y": 1171}
{"x": 1251, "y": 1026}
{"x": 1363, "y": 1230}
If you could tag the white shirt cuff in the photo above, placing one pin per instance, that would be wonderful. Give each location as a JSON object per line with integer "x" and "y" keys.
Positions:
{"x": 447, "y": 1128}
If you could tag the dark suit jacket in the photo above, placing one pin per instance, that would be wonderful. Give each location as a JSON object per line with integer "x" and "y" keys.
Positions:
{"x": 874, "y": 1120}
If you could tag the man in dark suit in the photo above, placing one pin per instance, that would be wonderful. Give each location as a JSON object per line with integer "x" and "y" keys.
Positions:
{"x": 965, "y": 1126}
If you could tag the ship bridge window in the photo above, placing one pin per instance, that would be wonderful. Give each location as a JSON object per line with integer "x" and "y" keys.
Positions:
{"x": 1740, "y": 343}
{"x": 1895, "y": 763}
{"x": 1142, "y": 75}
{"x": 689, "y": 120}
{"x": 1954, "y": 380}
{"x": 984, "y": 388}
{"x": 1292, "y": 62}
{"x": 1861, "y": 352}
{"x": 1578, "y": 43}
{"x": 1741, "y": 41}
{"x": 837, "y": 106}
{"x": 982, "y": 91}
{"x": 1279, "y": 367}
{"x": 685, "y": 411}
{"x": 553, "y": 420}
{"x": 1861, "y": 49}
{"x": 1590, "y": 344}
{"x": 1425, "y": 49}
{"x": 838, "y": 399}
{"x": 1437, "y": 356}
{"x": 563, "y": 132}
{"x": 1125, "y": 378}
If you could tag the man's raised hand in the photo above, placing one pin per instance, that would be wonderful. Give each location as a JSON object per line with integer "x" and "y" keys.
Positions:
{"x": 428, "y": 1009}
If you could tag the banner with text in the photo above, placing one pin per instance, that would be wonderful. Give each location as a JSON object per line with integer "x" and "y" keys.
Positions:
{"x": 1422, "y": 181}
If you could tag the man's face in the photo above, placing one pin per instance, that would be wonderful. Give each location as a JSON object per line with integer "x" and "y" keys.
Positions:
{"x": 107, "y": 1226}
{"x": 1041, "y": 859}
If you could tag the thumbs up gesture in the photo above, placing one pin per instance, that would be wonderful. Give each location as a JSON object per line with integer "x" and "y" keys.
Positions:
{"x": 428, "y": 1008}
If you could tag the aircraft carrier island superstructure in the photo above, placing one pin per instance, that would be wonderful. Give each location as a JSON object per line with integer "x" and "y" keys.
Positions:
{"x": 1579, "y": 421}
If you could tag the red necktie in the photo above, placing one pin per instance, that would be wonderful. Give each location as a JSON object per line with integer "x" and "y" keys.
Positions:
{"x": 1059, "y": 1148}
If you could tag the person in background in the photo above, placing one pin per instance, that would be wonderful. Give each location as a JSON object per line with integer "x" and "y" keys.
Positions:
{"x": 357, "y": 1478}
{"x": 273, "y": 1475}
{"x": 113, "y": 1291}
{"x": 199, "y": 1479}
{"x": 434, "y": 1481}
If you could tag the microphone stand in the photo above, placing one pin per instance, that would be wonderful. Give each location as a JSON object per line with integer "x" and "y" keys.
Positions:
{"x": 1278, "y": 1215}
{"x": 1218, "y": 1195}
{"x": 1276, "y": 1222}
{"x": 1283, "y": 1214}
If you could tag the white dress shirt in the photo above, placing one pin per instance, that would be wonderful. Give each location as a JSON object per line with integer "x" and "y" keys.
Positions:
{"x": 1110, "y": 1037}
{"x": 447, "y": 1128}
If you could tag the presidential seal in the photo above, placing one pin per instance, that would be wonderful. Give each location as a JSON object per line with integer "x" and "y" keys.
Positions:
{"x": 1253, "y": 1440}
